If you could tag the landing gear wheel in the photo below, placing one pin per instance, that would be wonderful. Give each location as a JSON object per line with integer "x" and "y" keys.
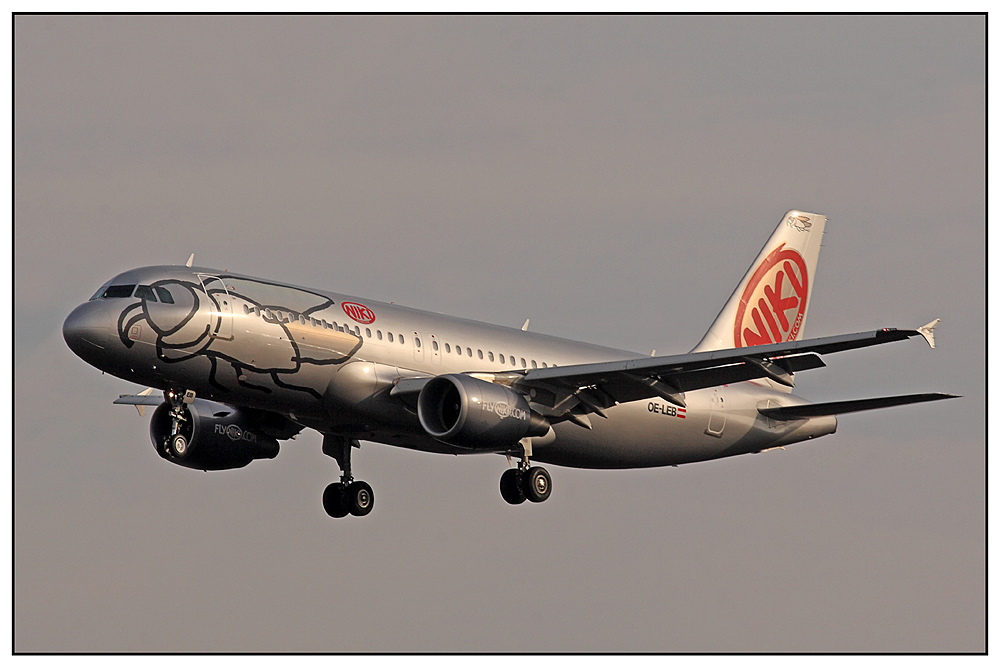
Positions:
{"x": 537, "y": 484}
{"x": 510, "y": 487}
{"x": 359, "y": 498}
{"x": 177, "y": 446}
{"x": 333, "y": 501}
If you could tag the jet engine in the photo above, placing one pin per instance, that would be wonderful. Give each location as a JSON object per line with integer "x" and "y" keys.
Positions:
{"x": 217, "y": 437}
{"x": 470, "y": 413}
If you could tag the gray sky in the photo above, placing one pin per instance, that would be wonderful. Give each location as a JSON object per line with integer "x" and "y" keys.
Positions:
{"x": 611, "y": 179}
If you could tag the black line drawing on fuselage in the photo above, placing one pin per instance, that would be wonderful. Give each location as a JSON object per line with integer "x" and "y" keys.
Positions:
{"x": 193, "y": 326}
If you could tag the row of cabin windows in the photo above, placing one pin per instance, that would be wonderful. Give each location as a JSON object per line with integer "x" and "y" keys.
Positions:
{"x": 489, "y": 354}
{"x": 288, "y": 318}
{"x": 303, "y": 320}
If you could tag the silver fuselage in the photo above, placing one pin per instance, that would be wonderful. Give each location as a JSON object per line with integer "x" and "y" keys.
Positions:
{"x": 328, "y": 361}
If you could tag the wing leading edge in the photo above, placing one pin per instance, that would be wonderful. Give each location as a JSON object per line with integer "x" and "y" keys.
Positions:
{"x": 601, "y": 385}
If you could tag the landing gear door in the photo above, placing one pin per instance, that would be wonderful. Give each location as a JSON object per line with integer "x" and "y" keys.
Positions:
{"x": 220, "y": 304}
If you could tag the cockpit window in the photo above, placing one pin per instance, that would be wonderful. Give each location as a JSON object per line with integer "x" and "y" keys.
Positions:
{"x": 118, "y": 292}
{"x": 145, "y": 292}
{"x": 164, "y": 295}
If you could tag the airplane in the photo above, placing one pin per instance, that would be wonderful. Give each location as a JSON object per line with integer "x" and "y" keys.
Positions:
{"x": 243, "y": 363}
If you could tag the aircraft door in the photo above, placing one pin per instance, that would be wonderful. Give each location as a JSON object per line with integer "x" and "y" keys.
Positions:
{"x": 220, "y": 303}
{"x": 418, "y": 349}
{"x": 435, "y": 350}
{"x": 717, "y": 412}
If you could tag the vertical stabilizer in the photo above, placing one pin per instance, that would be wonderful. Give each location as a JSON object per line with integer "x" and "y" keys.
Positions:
{"x": 770, "y": 303}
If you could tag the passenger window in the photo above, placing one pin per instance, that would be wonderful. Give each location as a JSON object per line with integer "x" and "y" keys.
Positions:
{"x": 502, "y": 359}
{"x": 544, "y": 365}
{"x": 513, "y": 362}
{"x": 469, "y": 350}
{"x": 434, "y": 344}
{"x": 480, "y": 353}
{"x": 378, "y": 333}
{"x": 368, "y": 332}
{"x": 357, "y": 330}
{"x": 400, "y": 339}
{"x": 118, "y": 292}
{"x": 447, "y": 348}
{"x": 490, "y": 355}
{"x": 416, "y": 341}
{"x": 390, "y": 336}
{"x": 533, "y": 364}
{"x": 523, "y": 364}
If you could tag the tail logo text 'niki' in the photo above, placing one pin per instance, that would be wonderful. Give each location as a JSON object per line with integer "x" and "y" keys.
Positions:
{"x": 773, "y": 303}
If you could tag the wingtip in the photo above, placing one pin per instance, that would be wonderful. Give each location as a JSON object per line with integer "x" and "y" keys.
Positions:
{"x": 927, "y": 331}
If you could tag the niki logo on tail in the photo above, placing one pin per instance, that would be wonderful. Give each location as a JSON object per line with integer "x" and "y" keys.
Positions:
{"x": 773, "y": 303}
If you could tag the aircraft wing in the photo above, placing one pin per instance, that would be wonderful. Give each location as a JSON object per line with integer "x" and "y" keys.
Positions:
{"x": 140, "y": 400}
{"x": 592, "y": 387}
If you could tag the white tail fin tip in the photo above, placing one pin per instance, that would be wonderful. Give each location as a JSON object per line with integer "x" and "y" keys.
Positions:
{"x": 769, "y": 304}
{"x": 927, "y": 331}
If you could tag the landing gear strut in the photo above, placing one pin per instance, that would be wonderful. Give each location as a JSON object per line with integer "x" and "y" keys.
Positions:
{"x": 178, "y": 443}
{"x": 525, "y": 482}
{"x": 346, "y": 496}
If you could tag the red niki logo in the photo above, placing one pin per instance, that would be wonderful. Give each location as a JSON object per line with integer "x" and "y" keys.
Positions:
{"x": 780, "y": 284}
{"x": 358, "y": 313}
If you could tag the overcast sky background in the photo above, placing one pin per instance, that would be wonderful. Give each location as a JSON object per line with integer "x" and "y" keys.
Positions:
{"x": 610, "y": 178}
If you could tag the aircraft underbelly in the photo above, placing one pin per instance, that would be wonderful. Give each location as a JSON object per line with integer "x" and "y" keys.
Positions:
{"x": 652, "y": 432}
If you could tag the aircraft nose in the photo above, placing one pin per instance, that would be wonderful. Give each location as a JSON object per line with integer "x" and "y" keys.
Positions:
{"x": 87, "y": 329}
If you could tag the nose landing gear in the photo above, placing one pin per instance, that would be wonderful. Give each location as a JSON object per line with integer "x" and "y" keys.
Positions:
{"x": 346, "y": 496}
{"x": 178, "y": 443}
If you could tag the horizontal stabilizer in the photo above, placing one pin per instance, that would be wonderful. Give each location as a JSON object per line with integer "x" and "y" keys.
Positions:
{"x": 841, "y": 407}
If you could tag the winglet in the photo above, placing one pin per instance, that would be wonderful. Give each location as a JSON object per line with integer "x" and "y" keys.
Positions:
{"x": 142, "y": 408}
{"x": 526, "y": 323}
{"x": 190, "y": 261}
{"x": 927, "y": 331}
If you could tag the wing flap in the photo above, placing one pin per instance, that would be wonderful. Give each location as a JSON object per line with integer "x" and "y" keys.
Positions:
{"x": 841, "y": 407}
{"x": 636, "y": 379}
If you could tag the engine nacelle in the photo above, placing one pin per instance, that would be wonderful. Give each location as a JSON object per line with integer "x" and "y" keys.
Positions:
{"x": 470, "y": 413}
{"x": 219, "y": 437}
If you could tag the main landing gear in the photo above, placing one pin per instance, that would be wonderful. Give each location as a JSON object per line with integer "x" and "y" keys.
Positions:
{"x": 178, "y": 443}
{"x": 346, "y": 496}
{"x": 525, "y": 482}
